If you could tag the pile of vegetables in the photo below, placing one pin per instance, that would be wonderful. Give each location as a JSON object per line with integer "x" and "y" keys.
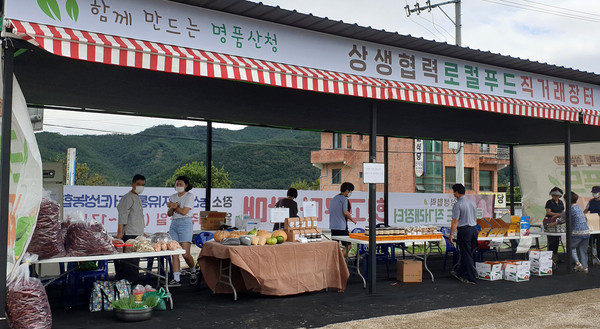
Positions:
{"x": 254, "y": 237}
{"x": 129, "y": 303}
{"x": 47, "y": 238}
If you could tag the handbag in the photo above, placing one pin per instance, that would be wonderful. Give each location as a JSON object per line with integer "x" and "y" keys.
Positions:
{"x": 104, "y": 292}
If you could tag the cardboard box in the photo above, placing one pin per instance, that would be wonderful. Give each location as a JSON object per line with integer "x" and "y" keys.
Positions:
{"x": 517, "y": 272}
{"x": 409, "y": 271}
{"x": 539, "y": 254}
{"x": 292, "y": 235}
{"x": 541, "y": 263}
{"x": 541, "y": 270}
{"x": 490, "y": 271}
{"x": 593, "y": 221}
{"x": 484, "y": 223}
{"x": 483, "y": 233}
{"x": 212, "y": 220}
{"x": 290, "y": 223}
{"x": 313, "y": 222}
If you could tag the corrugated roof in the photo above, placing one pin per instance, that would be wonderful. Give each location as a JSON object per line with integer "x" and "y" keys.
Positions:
{"x": 340, "y": 28}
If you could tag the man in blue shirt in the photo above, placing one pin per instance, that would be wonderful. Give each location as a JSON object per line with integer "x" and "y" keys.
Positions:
{"x": 339, "y": 214}
{"x": 464, "y": 220}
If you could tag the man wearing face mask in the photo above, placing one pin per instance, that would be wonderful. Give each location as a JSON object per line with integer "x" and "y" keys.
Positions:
{"x": 131, "y": 224}
{"x": 339, "y": 214}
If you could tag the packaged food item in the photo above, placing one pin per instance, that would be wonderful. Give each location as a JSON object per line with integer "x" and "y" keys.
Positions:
{"x": 88, "y": 238}
{"x": 173, "y": 245}
{"x": 47, "y": 238}
{"x": 143, "y": 244}
{"x": 27, "y": 305}
{"x": 160, "y": 237}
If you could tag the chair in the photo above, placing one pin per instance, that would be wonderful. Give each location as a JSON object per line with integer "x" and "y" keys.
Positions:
{"x": 450, "y": 247}
{"x": 86, "y": 277}
{"x": 382, "y": 253}
{"x": 392, "y": 246}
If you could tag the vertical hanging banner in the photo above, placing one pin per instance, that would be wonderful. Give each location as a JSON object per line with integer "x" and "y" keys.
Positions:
{"x": 419, "y": 162}
{"x": 541, "y": 168}
{"x": 25, "y": 179}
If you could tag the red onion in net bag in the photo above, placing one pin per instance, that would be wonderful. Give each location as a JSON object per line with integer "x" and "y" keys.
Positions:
{"x": 27, "y": 305}
{"x": 88, "y": 238}
{"x": 47, "y": 239}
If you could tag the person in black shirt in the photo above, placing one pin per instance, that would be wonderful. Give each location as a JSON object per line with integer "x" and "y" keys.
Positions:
{"x": 554, "y": 209}
{"x": 289, "y": 203}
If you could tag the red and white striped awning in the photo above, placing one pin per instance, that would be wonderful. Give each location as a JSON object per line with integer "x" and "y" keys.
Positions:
{"x": 107, "y": 49}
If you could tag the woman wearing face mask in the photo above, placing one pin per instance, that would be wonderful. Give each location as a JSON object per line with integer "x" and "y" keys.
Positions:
{"x": 554, "y": 209}
{"x": 180, "y": 205}
{"x": 593, "y": 207}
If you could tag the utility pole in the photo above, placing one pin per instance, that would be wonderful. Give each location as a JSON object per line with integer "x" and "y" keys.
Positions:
{"x": 459, "y": 165}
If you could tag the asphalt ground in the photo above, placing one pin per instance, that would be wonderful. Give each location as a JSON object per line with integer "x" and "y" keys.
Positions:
{"x": 197, "y": 307}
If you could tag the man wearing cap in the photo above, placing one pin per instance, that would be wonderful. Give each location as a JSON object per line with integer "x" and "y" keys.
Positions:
{"x": 593, "y": 207}
{"x": 464, "y": 222}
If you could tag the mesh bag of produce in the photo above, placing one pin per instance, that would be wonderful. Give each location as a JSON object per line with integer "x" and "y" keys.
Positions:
{"x": 47, "y": 239}
{"x": 88, "y": 238}
{"x": 160, "y": 237}
{"x": 27, "y": 304}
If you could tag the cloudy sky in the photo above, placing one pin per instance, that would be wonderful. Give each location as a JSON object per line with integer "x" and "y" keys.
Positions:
{"x": 558, "y": 32}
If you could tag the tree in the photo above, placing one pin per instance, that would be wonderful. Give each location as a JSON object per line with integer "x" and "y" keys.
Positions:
{"x": 196, "y": 172}
{"x": 83, "y": 176}
{"x": 302, "y": 184}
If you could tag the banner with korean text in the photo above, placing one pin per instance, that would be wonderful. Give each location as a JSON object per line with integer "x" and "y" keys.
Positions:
{"x": 406, "y": 209}
{"x": 175, "y": 24}
{"x": 541, "y": 168}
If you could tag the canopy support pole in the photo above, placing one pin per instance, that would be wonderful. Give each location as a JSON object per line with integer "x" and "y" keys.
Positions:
{"x": 511, "y": 155}
{"x": 372, "y": 204}
{"x": 7, "y": 80}
{"x": 208, "y": 164}
{"x": 567, "y": 198}
{"x": 386, "y": 181}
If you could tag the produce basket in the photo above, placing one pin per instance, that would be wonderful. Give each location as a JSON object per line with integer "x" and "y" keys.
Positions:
{"x": 130, "y": 315}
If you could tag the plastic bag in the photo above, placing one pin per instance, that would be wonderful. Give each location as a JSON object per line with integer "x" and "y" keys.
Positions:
{"x": 160, "y": 293}
{"x": 160, "y": 237}
{"x": 47, "y": 239}
{"x": 88, "y": 238}
{"x": 143, "y": 244}
{"x": 27, "y": 304}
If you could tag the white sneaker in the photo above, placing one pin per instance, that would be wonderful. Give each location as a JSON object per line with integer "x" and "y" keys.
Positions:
{"x": 174, "y": 283}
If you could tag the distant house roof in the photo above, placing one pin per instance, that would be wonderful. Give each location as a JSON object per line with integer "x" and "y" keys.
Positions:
{"x": 354, "y": 31}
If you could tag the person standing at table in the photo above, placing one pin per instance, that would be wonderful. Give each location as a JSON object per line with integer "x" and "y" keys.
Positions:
{"x": 593, "y": 207}
{"x": 339, "y": 214}
{"x": 130, "y": 225}
{"x": 181, "y": 229}
{"x": 464, "y": 222}
{"x": 554, "y": 210}
{"x": 579, "y": 236}
{"x": 287, "y": 202}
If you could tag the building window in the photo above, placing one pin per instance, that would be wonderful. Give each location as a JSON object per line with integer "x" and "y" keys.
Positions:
{"x": 337, "y": 140}
{"x": 485, "y": 180}
{"x": 336, "y": 176}
{"x": 484, "y": 148}
{"x": 349, "y": 142}
{"x": 432, "y": 180}
{"x": 451, "y": 178}
{"x": 360, "y": 175}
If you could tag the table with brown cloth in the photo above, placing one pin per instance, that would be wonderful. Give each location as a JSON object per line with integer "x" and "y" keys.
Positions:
{"x": 283, "y": 269}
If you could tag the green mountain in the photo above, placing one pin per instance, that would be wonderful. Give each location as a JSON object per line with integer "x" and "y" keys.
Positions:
{"x": 254, "y": 157}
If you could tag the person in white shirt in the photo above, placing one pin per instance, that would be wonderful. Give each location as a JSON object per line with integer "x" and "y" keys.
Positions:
{"x": 180, "y": 204}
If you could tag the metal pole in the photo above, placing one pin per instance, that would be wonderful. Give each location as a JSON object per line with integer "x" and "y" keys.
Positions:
{"x": 568, "y": 193}
{"x": 208, "y": 164}
{"x": 7, "y": 80}
{"x": 372, "y": 204}
{"x": 386, "y": 181}
{"x": 457, "y": 24}
{"x": 511, "y": 178}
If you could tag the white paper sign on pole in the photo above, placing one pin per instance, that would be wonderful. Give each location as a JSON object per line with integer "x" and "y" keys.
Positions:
{"x": 419, "y": 161}
{"x": 278, "y": 215}
{"x": 373, "y": 173}
{"x": 309, "y": 208}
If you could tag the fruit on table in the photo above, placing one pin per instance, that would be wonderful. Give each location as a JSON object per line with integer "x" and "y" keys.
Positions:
{"x": 280, "y": 239}
{"x": 255, "y": 240}
{"x": 253, "y": 232}
{"x": 220, "y": 235}
{"x": 262, "y": 240}
{"x": 272, "y": 241}
{"x": 280, "y": 233}
{"x": 263, "y": 233}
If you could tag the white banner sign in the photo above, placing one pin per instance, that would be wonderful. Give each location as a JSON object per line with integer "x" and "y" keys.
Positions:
{"x": 178, "y": 24}
{"x": 406, "y": 209}
{"x": 419, "y": 161}
{"x": 541, "y": 168}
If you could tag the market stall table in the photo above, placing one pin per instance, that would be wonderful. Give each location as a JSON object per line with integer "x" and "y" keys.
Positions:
{"x": 284, "y": 269}
{"x": 117, "y": 256}
{"x": 427, "y": 243}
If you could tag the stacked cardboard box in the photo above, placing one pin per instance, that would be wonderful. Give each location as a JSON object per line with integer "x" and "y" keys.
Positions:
{"x": 212, "y": 220}
{"x": 517, "y": 271}
{"x": 541, "y": 262}
{"x": 302, "y": 227}
{"x": 490, "y": 271}
{"x": 409, "y": 271}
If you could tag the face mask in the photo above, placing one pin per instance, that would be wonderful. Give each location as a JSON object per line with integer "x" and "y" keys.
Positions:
{"x": 139, "y": 189}
{"x": 180, "y": 189}
{"x": 350, "y": 194}
{"x": 595, "y": 195}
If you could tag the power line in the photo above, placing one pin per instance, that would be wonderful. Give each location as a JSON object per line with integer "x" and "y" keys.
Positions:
{"x": 542, "y": 10}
